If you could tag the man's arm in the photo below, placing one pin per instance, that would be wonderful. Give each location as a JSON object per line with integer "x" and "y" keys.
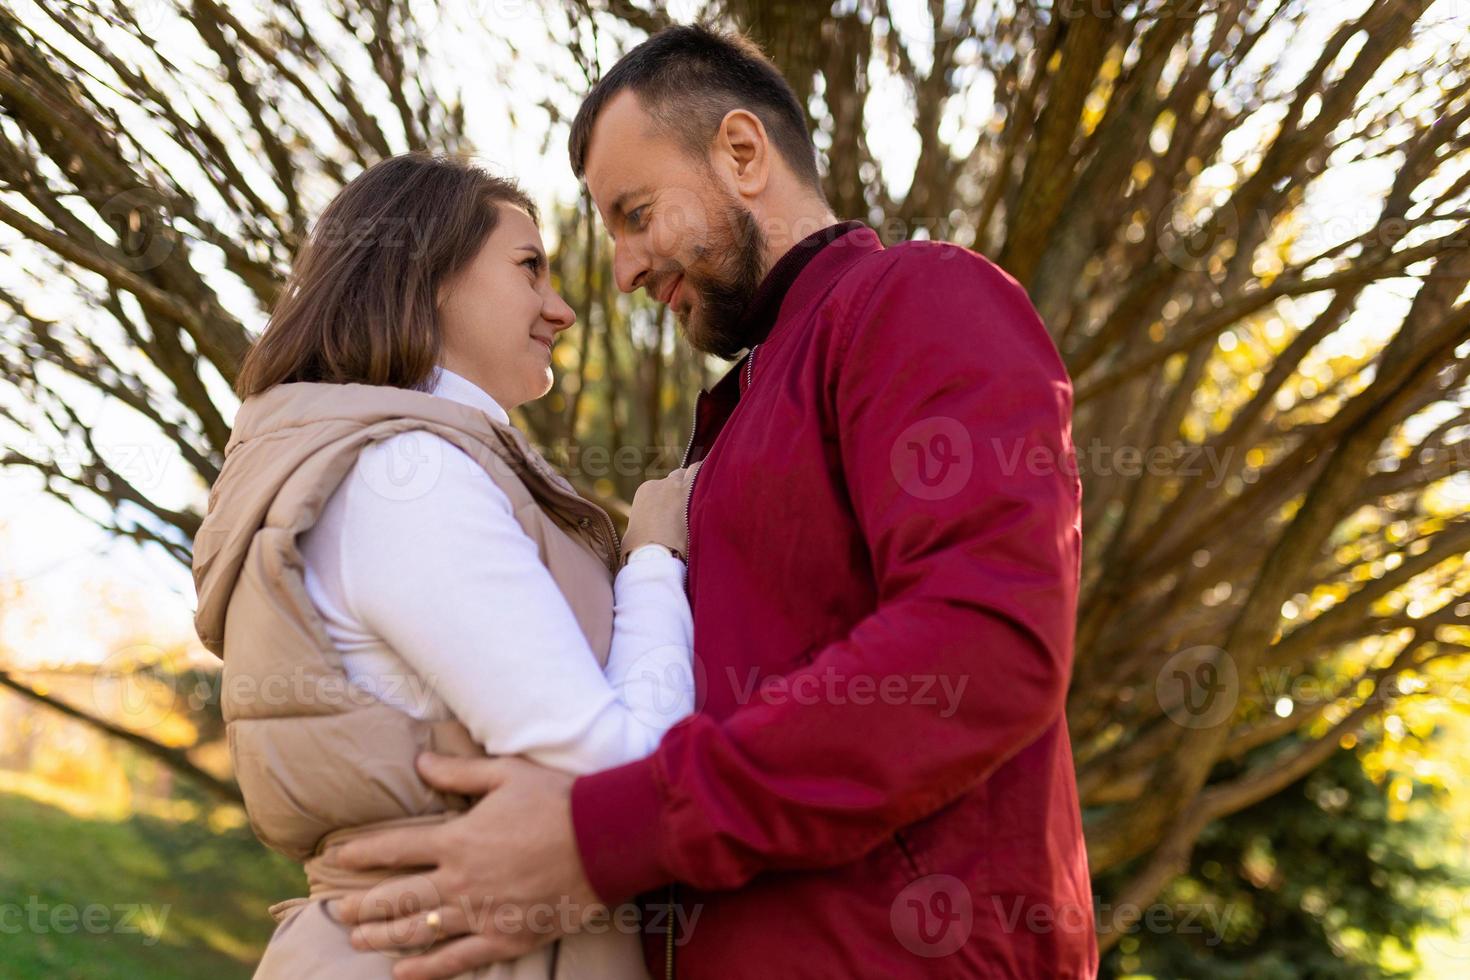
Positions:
{"x": 953, "y": 413}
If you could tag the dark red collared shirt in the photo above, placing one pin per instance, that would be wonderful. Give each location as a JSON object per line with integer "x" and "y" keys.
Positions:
{"x": 885, "y": 543}
{"x": 714, "y": 406}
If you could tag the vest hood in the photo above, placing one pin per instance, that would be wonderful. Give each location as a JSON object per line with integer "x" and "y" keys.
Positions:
{"x": 285, "y": 436}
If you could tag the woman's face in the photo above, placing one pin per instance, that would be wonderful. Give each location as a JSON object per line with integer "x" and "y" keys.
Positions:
{"x": 500, "y": 317}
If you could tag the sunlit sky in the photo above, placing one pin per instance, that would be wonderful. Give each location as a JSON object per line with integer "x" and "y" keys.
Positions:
{"x": 84, "y": 595}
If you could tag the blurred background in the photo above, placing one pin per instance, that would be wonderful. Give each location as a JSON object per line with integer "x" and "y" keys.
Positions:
{"x": 1244, "y": 222}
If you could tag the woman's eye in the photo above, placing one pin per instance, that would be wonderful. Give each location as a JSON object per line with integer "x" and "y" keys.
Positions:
{"x": 533, "y": 263}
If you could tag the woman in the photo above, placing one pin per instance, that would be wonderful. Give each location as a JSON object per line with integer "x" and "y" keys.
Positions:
{"x": 387, "y": 566}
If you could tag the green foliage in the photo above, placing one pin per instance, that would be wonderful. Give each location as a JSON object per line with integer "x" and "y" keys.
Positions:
{"x": 1315, "y": 883}
{"x": 207, "y": 890}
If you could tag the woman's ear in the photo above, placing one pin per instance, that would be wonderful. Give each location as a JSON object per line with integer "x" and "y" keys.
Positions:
{"x": 743, "y": 151}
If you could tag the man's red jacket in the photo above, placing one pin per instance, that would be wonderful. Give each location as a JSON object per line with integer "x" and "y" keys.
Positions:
{"x": 885, "y": 540}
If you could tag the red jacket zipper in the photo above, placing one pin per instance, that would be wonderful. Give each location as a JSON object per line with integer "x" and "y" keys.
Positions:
{"x": 689, "y": 560}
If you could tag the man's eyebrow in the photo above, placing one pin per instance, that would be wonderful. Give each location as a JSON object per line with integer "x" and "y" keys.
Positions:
{"x": 622, "y": 199}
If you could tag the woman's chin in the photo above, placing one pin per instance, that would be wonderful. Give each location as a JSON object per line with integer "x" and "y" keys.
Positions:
{"x": 544, "y": 384}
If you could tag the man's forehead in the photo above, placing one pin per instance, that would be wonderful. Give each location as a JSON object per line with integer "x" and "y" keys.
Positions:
{"x": 622, "y": 148}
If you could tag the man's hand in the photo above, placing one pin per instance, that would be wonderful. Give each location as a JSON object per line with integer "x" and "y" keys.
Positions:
{"x": 504, "y": 878}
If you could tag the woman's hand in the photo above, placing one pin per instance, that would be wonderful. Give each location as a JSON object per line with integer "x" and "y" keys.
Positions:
{"x": 659, "y": 512}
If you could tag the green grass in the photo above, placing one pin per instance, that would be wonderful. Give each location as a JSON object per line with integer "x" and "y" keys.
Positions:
{"x": 198, "y": 897}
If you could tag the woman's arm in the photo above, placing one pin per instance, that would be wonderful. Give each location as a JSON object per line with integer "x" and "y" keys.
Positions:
{"x": 442, "y": 571}
{"x": 653, "y": 639}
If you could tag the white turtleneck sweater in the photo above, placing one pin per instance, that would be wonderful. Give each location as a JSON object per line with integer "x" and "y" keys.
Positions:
{"x": 440, "y": 605}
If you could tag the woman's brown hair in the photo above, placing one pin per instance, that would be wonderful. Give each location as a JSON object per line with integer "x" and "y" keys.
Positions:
{"x": 360, "y": 302}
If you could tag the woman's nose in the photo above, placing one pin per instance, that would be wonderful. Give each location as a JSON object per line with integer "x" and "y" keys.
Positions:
{"x": 558, "y": 312}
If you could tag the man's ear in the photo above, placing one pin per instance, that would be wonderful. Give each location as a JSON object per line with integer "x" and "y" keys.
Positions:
{"x": 742, "y": 151}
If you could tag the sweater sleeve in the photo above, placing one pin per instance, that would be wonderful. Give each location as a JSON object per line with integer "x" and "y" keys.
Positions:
{"x": 442, "y": 571}
{"x": 649, "y": 664}
{"x": 951, "y": 411}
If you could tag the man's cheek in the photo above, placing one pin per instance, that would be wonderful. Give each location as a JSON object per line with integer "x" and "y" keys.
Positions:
{"x": 664, "y": 238}
{"x": 680, "y": 221}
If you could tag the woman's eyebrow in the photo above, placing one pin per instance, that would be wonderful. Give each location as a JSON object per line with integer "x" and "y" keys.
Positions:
{"x": 529, "y": 247}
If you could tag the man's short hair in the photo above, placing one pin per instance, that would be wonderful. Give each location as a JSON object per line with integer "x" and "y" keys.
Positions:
{"x": 688, "y": 78}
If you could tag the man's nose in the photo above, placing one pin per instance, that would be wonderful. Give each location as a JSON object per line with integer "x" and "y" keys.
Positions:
{"x": 629, "y": 267}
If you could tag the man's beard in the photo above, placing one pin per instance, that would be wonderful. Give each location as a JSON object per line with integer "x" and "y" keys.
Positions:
{"x": 736, "y": 256}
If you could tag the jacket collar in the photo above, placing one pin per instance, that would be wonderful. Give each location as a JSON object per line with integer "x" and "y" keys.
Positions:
{"x": 800, "y": 276}
{"x": 765, "y": 307}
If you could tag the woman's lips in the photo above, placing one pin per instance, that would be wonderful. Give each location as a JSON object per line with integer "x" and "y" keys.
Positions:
{"x": 544, "y": 341}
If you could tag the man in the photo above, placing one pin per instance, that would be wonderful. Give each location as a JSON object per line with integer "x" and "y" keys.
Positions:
{"x": 883, "y": 559}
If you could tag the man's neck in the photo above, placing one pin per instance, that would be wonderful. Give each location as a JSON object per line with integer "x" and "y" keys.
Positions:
{"x": 785, "y": 227}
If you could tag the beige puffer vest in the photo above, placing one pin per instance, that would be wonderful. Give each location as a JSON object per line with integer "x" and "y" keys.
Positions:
{"x": 313, "y": 755}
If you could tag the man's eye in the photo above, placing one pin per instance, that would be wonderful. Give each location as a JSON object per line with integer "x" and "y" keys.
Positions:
{"x": 635, "y": 216}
